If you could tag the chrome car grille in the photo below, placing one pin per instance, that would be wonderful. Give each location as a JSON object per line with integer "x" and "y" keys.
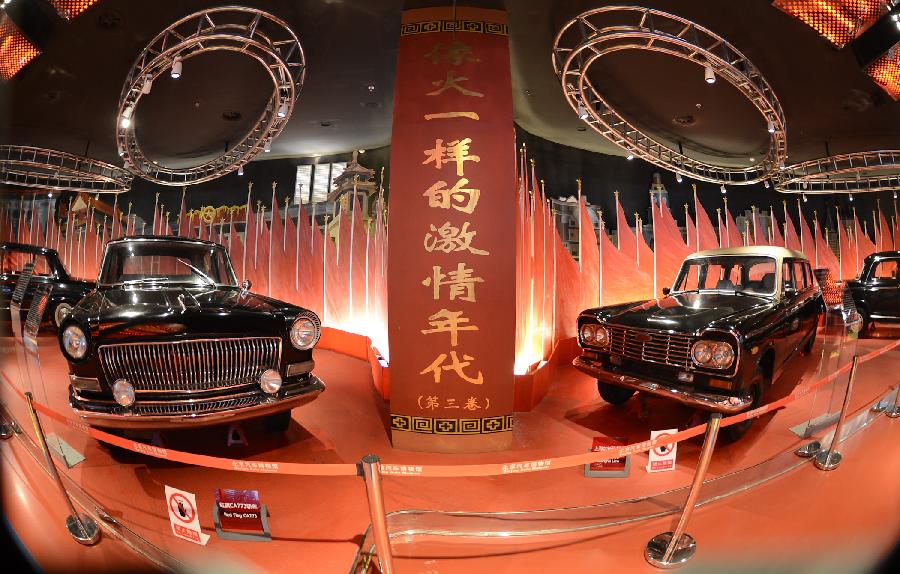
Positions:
{"x": 191, "y": 366}
{"x": 198, "y": 408}
{"x": 650, "y": 345}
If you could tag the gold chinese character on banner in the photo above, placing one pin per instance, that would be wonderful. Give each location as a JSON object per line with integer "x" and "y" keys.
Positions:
{"x": 471, "y": 404}
{"x": 431, "y": 402}
{"x": 449, "y": 238}
{"x": 451, "y": 82}
{"x": 437, "y": 367}
{"x": 453, "y": 54}
{"x": 451, "y": 115}
{"x": 461, "y": 282}
{"x": 456, "y": 151}
{"x": 457, "y": 197}
{"x": 446, "y": 321}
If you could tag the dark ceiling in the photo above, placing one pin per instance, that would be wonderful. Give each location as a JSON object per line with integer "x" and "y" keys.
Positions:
{"x": 66, "y": 99}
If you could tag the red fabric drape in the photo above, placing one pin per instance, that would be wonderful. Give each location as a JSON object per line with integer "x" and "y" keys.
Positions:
{"x": 806, "y": 239}
{"x": 864, "y": 243}
{"x": 823, "y": 256}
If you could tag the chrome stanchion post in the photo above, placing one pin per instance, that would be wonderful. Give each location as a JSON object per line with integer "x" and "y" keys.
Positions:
{"x": 81, "y": 526}
{"x": 671, "y": 549}
{"x": 830, "y": 459}
{"x": 894, "y": 411}
{"x": 371, "y": 465}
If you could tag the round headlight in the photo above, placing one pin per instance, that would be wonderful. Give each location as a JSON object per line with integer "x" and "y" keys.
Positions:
{"x": 601, "y": 336}
{"x": 270, "y": 381}
{"x": 702, "y": 352}
{"x": 123, "y": 392}
{"x": 304, "y": 333}
{"x": 74, "y": 342}
{"x": 62, "y": 311}
{"x": 587, "y": 333}
{"x": 723, "y": 356}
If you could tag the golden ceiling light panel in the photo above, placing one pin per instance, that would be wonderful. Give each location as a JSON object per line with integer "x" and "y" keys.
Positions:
{"x": 69, "y": 9}
{"x": 838, "y": 21}
{"x": 885, "y": 70}
{"x": 15, "y": 49}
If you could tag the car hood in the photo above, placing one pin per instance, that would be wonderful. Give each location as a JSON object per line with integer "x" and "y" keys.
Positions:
{"x": 689, "y": 312}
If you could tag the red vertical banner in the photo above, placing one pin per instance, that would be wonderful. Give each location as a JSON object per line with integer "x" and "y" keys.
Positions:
{"x": 451, "y": 301}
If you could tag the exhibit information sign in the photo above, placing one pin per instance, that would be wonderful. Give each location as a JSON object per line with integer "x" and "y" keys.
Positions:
{"x": 451, "y": 271}
{"x": 662, "y": 457}
{"x": 239, "y": 510}
{"x": 613, "y": 467}
{"x": 183, "y": 516}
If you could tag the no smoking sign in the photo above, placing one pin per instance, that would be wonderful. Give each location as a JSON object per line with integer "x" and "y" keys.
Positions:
{"x": 662, "y": 457}
{"x": 183, "y": 516}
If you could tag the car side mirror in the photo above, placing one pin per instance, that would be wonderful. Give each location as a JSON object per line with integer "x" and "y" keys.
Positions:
{"x": 666, "y": 290}
{"x": 246, "y": 285}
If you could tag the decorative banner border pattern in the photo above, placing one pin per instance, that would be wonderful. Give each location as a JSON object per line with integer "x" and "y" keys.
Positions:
{"x": 427, "y": 425}
{"x": 477, "y": 26}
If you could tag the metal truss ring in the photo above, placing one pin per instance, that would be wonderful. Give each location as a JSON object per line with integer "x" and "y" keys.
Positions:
{"x": 254, "y": 33}
{"x": 858, "y": 172}
{"x": 602, "y": 31}
{"x": 49, "y": 169}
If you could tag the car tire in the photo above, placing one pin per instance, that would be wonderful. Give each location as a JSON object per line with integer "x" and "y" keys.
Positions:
{"x": 808, "y": 347}
{"x": 735, "y": 432}
{"x": 867, "y": 325}
{"x": 279, "y": 422}
{"x": 612, "y": 394}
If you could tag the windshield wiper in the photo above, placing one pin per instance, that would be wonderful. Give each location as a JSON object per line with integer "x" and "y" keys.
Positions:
{"x": 143, "y": 279}
{"x": 197, "y": 271}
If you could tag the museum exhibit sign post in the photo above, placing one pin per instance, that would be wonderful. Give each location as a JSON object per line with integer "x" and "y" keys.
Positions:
{"x": 671, "y": 549}
{"x": 451, "y": 270}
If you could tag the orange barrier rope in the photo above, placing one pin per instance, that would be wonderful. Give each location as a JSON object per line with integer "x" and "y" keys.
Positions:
{"x": 459, "y": 470}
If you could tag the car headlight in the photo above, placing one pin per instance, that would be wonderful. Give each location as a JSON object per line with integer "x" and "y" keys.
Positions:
{"x": 123, "y": 392}
{"x": 270, "y": 381}
{"x": 305, "y": 332}
{"x": 587, "y": 333}
{"x": 593, "y": 334}
{"x": 601, "y": 336}
{"x": 712, "y": 354}
{"x": 74, "y": 342}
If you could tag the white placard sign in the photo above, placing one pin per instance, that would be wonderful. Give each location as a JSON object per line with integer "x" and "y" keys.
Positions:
{"x": 183, "y": 516}
{"x": 662, "y": 457}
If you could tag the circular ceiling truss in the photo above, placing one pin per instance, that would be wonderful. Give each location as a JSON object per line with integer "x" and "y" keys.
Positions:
{"x": 858, "y": 172}
{"x": 603, "y": 31}
{"x": 248, "y": 31}
{"x": 49, "y": 169}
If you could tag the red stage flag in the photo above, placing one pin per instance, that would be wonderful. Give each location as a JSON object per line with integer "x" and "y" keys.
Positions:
{"x": 759, "y": 237}
{"x": 669, "y": 248}
{"x": 887, "y": 240}
{"x": 777, "y": 237}
{"x": 863, "y": 243}
{"x": 690, "y": 233}
{"x": 791, "y": 240}
{"x": 732, "y": 234}
{"x": 807, "y": 243}
{"x": 626, "y": 239}
{"x": 846, "y": 250}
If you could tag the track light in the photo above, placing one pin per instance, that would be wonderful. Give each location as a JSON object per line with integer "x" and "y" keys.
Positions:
{"x": 582, "y": 112}
{"x": 770, "y": 127}
{"x": 724, "y": 191}
{"x": 125, "y": 122}
{"x": 851, "y": 197}
{"x": 766, "y": 183}
{"x": 121, "y": 152}
{"x": 148, "y": 84}
{"x": 709, "y": 75}
{"x": 283, "y": 110}
{"x": 630, "y": 156}
{"x": 804, "y": 198}
{"x": 176, "y": 68}
{"x": 268, "y": 147}
{"x": 240, "y": 170}
{"x": 895, "y": 195}
{"x": 678, "y": 178}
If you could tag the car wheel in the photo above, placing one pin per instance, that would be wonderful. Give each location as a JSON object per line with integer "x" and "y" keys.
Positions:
{"x": 736, "y": 431}
{"x": 867, "y": 324}
{"x": 60, "y": 313}
{"x": 612, "y": 394}
{"x": 278, "y": 422}
{"x": 808, "y": 347}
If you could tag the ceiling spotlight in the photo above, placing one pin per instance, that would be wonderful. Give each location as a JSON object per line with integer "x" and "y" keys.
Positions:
{"x": 283, "y": 110}
{"x": 582, "y": 112}
{"x": 752, "y": 159}
{"x": 125, "y": 122}
{"x": 630, "y": 156}
{"x": 148, "y": 84}
{"x": 803, "y": 184}
{"x": 678, "y": 177}
{"x": 770, "y": 127}
{"x": 241, "y": 170}
{"x": 268, "y": 147}
{"x": 766, "y": 183}
{"x": 361, "y": 151}
{"x": 176, "y": 68}
{"x": 804, "y": 198}
{"x": 121, "y": 152}
{"x": 895, "y": 195}
{"x": 371, "y": 87}
{"x": 724, "y": 191}
{"x": 851, "y": 197}
{"x": 709, "y": 75}
{"x": 49, "y": 195}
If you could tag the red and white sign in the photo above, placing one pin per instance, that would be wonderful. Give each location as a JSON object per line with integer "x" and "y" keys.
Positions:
{"x": 662, "y": 456}
{"x": 183, "y": 516}
{"x": 602, "y": 443}
{"x": 239, "y": 510}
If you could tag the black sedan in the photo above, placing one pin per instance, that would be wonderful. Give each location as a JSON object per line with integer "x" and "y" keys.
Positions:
{"x": 718, "y": 339}
{"x": 48, "y": 270}
{"x": 169, "y": 339}
{"x": 876, "y": 292}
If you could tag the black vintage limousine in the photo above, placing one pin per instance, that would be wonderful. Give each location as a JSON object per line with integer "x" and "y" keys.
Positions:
{"x": 48, "y": 270}
{"x": 876, "y": 292}
{"x": 169, "y": 339}
{"x": 716, "y": 341}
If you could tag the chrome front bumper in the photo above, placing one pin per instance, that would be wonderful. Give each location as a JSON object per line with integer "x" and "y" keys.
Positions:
{"x": 189, "y": 413}
{"x": 720, "y": 403}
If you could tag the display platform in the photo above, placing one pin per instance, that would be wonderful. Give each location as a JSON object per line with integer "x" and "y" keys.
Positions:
{"x": 321, "y": 520}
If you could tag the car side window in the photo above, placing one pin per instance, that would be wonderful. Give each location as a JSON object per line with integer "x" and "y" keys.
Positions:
{"x": 787, "y": 276}
{"x": 799, "y": 275}
{"x": 886, "y": 269}
{"x": 14, "y": 262}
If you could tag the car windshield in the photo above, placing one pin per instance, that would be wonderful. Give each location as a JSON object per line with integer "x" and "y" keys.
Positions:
{"x": 149, "y": 262}
{"x": 750, "y": 274}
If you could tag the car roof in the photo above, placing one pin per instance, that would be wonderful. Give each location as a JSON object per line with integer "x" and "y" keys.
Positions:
{"x": 170, "y": 238}
{"x": 761, "y": 250}
{"x": 26, "y": 248}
